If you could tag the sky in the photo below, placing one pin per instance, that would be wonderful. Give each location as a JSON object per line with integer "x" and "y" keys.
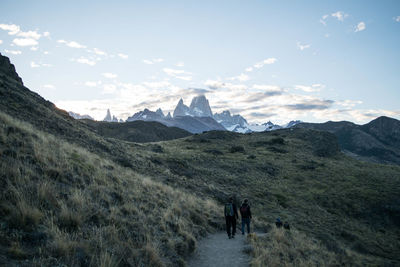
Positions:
{"x": 265, "y": 60}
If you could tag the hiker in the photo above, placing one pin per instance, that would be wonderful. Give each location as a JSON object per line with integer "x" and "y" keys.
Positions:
{"x": 231, "y": 215}
{"x": 286, "y": 226}
{"x": 278, "y": 223}
{"x": 245, "y": 213}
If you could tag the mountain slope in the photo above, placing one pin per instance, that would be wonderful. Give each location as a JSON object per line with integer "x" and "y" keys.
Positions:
{"x": 377, "y": 141}
{"x": 72, "y": 197}
{"x": 137, "y": 131}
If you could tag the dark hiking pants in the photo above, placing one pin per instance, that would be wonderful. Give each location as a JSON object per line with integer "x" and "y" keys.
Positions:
{"x": 230, "y": 223}
{"x": 246, "y": 221}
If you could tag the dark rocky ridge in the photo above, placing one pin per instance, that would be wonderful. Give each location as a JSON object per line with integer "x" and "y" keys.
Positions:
{"x": 7, "y": 70}
{"x": 376, "y": 141}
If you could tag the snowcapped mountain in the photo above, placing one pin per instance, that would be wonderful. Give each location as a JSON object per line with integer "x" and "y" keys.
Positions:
{"x": 181, "y": 109}
{"x": 110, "y": 118}
{"x": 291, "y": 124}
{"x": 198, "y": 117}
{"x": 78, "y": 116}
{"x": 228, "y": 121}
{"x": 199, "y": 107}
{"x": 237, "y": 123}
{"x": 147, "y": 115}
{"x": 192, "y": 124}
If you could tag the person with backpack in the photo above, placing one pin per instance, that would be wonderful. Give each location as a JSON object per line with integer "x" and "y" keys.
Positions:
{"x": 278, "y": 223}
{"x": 245, "y": 213}
{"x": 231, "y": 215}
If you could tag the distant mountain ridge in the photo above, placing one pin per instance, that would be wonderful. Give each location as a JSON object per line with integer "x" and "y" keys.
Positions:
{"x": 376, "y": 141}
{"x": 200, "y": 112}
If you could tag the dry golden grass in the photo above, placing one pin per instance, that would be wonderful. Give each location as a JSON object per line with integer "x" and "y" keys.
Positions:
{"x": 66, "y": 205}
{"x": 280, "y": 247}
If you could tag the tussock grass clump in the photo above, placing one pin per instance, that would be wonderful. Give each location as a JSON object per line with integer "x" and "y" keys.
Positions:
{"x": 280, "y": 247}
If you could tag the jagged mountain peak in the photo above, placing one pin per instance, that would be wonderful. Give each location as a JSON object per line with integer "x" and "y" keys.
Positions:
{"x": 160, "y": 112}
{"x": 200, "y": 107}
{"x": 109, "y": 117}
{"x": 181, "y": 109}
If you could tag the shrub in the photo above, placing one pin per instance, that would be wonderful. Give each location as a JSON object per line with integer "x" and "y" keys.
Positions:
{"x": 235, "y": 149}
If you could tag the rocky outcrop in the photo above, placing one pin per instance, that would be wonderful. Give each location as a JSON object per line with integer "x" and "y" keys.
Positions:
{"x": 7, "y": 69}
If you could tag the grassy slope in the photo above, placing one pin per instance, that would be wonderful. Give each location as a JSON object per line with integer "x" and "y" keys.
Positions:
{"x": 64, "y": 204}
{"x": 71, "y": 196}
{"x": 61, "y": 204}
{"x": 347, "y": 205}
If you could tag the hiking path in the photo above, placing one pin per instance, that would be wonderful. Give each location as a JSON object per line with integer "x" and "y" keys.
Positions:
{"x": 217, "y": 250}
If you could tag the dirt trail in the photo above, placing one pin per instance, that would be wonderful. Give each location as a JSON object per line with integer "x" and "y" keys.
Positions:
{"x": 219, "y": 251}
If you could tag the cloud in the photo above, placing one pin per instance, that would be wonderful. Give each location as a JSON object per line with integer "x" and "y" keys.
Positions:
{"x": 249, "y": 69}
{"x": 99, "y": 52}
{"x": 92, "y": 84}
{"x": 214, "y": 84}
{"x": 123, "y": 56}
{"x": 180, "y": 64}
{"x": 185, "y": 78}
{"x": 340, "y": 15}
{"x": 34, "y": 65}
{"x": 83, "y": 60}
{"x": 178, "y": 74}
{"x": 397, "y": 18}
{"x": 360, "y": 27}
{"x": 34, "y": 48}
{"x": 242, "y": 77}
{"x": 262, "y": 115}
{"x": 11, "y": 28}
{"x": 109, "y": 75}
{"x": 46, "y": 34}
{"x": 37, "y": 65}
{"x": 349, "y": 103}
{"x": 71, "y": 44}
{"x": 156, "y": 85}
{"x": 1, "y": 41}
{"x": 310, "y": 89}
{"x": 49, "y": 86}
{"x": 30, "y": 35}
{"x": 152, "y": 61}
{"x": 109, "y": 89}
{"x": 303, "y": 46}
{"x": 268, "y": 90}
{"x": 25, "y": 42}
{"x": 267, "y": 61}
{"x": 323, "y": 19}
{"x": 14, "y": 52}
{"x": 311, "y": 105}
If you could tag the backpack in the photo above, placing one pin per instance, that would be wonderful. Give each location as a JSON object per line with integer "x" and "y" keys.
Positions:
{"x": 243, "y": 209}
{"x": 229, "y": 209}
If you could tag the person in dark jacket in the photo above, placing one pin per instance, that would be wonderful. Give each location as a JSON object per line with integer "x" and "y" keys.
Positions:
{"x": 286, "y": 226}
{"x": 231, "y": 215}
{"x": 245, "y": 213}
{"x": 278, "y": 223}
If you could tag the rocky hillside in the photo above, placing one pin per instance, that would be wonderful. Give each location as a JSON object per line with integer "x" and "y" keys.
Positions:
{"x": 377, "y": 141}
